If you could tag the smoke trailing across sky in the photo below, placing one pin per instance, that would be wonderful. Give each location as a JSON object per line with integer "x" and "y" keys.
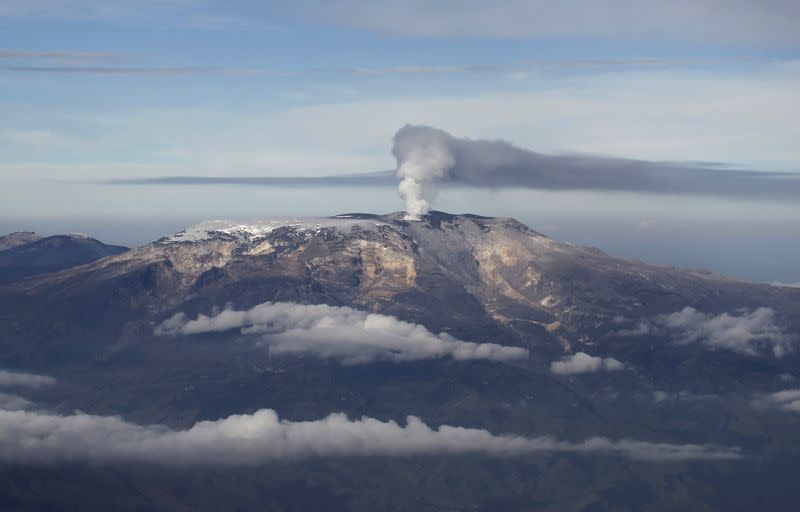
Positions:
{"x": 427, "y": 156}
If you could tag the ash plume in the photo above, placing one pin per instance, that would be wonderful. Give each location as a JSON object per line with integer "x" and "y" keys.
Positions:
{"x": 423, "y": 157}
{"x": 427, "y": 156}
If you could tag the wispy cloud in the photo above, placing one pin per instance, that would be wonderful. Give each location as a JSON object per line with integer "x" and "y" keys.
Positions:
{"x": 553, "y": 64}
{"x": 681, "y": 396}
{"x": 9, "y": 402}
{"x": 208, "y": 16}
{"x": 418, "y": 70}
{"x": 746, "y": 332}
{"x": 786, "y": 285}
{"x": 647, "y": 224}
{"x": 701, "y": 117}
{"x": 74, "y": 62}
{"x": 120, "y": 70}
{"x": 787, "y": 400}
{"x": 9, "y": 53}
{"x": 24, "y": 380}
{"x": 346, "y": 334}
{"x": 380, "y": 178}
{"x": 40, "y": 138}
{"x": 736, "y": 22}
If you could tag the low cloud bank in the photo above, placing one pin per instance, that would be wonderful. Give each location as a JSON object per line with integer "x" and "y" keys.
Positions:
{"x": 29, "y": 435}
{"x": 745, "y": 333}
{"x": 36, "y": 437}
{"x": 346, "y": 334}
{"x": 787, "y": 400}
{"x": 24, "y": 380}
{"x": 582, "y": 362}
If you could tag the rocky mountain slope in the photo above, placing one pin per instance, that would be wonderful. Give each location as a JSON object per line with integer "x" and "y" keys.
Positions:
{"x": 465, "y": 273}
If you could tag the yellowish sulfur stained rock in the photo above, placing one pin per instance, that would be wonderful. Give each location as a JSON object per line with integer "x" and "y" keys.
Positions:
{"x": 261, "y": 249}
{"x": 197, "y": 259}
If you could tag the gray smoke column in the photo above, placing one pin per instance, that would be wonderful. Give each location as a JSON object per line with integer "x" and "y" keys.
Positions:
{"x": 423, "y": 156}
{"x": 427, "y": 156}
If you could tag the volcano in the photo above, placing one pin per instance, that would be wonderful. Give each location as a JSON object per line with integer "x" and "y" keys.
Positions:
{"x": 279, "y": 309}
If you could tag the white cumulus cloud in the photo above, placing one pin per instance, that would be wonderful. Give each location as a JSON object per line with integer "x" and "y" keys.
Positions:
{"x": 346, "y": 334}
{"x": 582, "y": 362}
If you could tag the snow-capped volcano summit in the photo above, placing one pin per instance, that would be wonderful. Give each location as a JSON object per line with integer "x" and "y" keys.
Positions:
{"x": 490, "y": 275}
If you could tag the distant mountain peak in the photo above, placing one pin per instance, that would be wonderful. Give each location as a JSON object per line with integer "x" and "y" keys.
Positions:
{"x": 27, "y": 254}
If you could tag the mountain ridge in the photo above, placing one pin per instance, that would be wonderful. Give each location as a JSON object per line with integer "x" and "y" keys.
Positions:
{"x": 487, "y": 275}
{"x": 27, "y": 254}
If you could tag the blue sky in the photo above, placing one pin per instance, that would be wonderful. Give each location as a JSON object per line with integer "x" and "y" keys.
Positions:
{"x": 94, "y": 90}
{"x": 231, "y": 87}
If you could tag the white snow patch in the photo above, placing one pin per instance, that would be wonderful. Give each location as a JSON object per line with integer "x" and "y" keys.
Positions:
{"x": 253, "y": 230}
